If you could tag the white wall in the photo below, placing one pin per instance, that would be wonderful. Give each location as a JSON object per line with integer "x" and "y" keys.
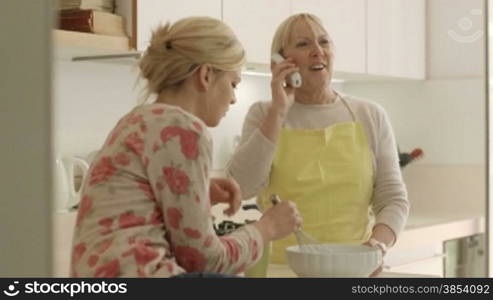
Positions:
{"x": 455, "y": 39}
{"x": 446, "y": 118}
{"x": 250, "y": 90}
{"x": 90, "y": 98}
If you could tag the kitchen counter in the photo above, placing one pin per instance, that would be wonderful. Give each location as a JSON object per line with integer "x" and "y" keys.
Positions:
{"x": 423, "y": 228}
{"x": 447, "y": 202}
{"x": 427, "y": 227}
{"x": 283, "y": 271}
{"x": 420, "y": 248}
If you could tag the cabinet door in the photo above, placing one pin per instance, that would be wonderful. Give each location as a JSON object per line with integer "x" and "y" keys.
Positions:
{"x": 151, "y": 13}
{"x": 346, "y": 23}
{"x": 456, "y": 39}
{"x": 396, "y": 38}
{"x": 255, "y": 22}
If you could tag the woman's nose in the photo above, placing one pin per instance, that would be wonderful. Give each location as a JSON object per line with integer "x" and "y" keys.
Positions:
{"x": 317, "y": 50}
{"x": 233, "y": 101}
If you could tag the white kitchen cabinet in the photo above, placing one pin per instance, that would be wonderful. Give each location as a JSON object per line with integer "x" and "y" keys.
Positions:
{"x": 424, "y": 259}
{"x": 456, "y": 39}
{"x": 346, "y": 23}
{"x": 151, "y": 13}
{"x": 255, "y": 22}
{"x": 396, "y": 37}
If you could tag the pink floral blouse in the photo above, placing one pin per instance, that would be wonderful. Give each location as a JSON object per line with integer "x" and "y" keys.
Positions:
{"x": 145, "y": 209}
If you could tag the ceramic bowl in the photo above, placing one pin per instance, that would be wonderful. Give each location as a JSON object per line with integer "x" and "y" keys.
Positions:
{"x": 333, "y": 260}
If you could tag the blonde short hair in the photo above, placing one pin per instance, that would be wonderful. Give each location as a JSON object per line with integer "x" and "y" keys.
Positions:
{"x": 177, "y": 50}
{"x": 284, "y": 30}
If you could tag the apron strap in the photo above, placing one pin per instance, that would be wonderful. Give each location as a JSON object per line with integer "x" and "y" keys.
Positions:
{"x": 348, "y": 107}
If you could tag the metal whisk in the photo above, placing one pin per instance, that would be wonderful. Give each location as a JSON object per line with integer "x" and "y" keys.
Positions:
{"x": 305, "y": 241}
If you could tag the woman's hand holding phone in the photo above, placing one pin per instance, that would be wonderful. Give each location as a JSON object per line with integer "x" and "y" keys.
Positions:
{"x": 282, "y": 91}
{"x": 293, "y": 79}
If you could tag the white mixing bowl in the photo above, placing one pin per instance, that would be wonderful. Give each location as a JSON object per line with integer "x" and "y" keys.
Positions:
{"x": 334, "y": 260}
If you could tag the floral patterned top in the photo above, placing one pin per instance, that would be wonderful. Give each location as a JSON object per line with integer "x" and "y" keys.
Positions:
{"x": 145, "y": 207}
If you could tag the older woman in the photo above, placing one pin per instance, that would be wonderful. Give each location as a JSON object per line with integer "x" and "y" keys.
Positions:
{"x": 145, "y": 210}
{"x": 332, "y": 154}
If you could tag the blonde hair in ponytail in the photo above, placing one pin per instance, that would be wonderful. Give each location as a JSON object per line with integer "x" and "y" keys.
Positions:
{"x": 177, "y": 50}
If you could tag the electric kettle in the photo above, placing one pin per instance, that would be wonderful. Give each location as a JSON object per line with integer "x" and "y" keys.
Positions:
{"x": 66, "y": 195}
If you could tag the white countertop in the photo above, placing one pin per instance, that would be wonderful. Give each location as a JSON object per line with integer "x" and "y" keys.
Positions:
{"x": 422, "y": 228}
{"x": 283, "y": 271}
{"x": 440, "y": 225}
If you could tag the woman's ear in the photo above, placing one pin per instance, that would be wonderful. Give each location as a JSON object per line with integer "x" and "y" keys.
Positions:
{"x": 204, "y": 77}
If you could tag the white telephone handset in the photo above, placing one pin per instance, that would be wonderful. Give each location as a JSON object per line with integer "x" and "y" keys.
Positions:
{"x": 294, "y": 78}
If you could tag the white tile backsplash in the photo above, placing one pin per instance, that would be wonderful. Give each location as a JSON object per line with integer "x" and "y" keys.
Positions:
{"x": 446, "y": 118}
{"x": 449, "y": 189}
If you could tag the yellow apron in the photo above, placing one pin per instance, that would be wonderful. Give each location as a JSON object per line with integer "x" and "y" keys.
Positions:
{"x": 328, "y": 174}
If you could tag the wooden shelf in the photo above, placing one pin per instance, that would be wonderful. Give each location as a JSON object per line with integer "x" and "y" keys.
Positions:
{"x": 76, "y": 46}
{"x": 66, "y": 38}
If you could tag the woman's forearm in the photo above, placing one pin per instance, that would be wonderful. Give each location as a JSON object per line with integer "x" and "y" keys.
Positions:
{"x": 272, "y": 124}
{"x": 250, "y": 164}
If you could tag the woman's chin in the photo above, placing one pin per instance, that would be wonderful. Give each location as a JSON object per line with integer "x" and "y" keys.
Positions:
{"x": 212, "y": 123}
{"x": 319, "y": 79}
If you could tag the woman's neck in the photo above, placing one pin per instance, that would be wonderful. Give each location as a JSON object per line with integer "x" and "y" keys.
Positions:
{"x": 180, "y": 98}
{"x": 310, "y": 96}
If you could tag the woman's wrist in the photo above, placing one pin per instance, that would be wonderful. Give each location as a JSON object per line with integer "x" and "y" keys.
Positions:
{"x": 379, "y": 245}
{"x": 278, "y": 110}
{"x": 272, "y": 125}
{"x": 264, "y": 230}
{"x": 384, "y": 234}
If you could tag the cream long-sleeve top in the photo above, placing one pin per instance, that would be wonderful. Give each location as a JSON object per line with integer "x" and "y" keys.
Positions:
{"x": 251, "y": 163}
{"x": 145, "y": 208}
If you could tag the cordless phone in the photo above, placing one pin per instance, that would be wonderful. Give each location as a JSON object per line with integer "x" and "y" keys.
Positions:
{"x": 294, "y": 79}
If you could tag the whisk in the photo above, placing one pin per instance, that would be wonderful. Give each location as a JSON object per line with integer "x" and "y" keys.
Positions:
{"x": 306, "y": 242}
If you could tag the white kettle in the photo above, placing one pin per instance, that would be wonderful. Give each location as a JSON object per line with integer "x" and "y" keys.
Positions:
{"x": 66, "y": 195}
